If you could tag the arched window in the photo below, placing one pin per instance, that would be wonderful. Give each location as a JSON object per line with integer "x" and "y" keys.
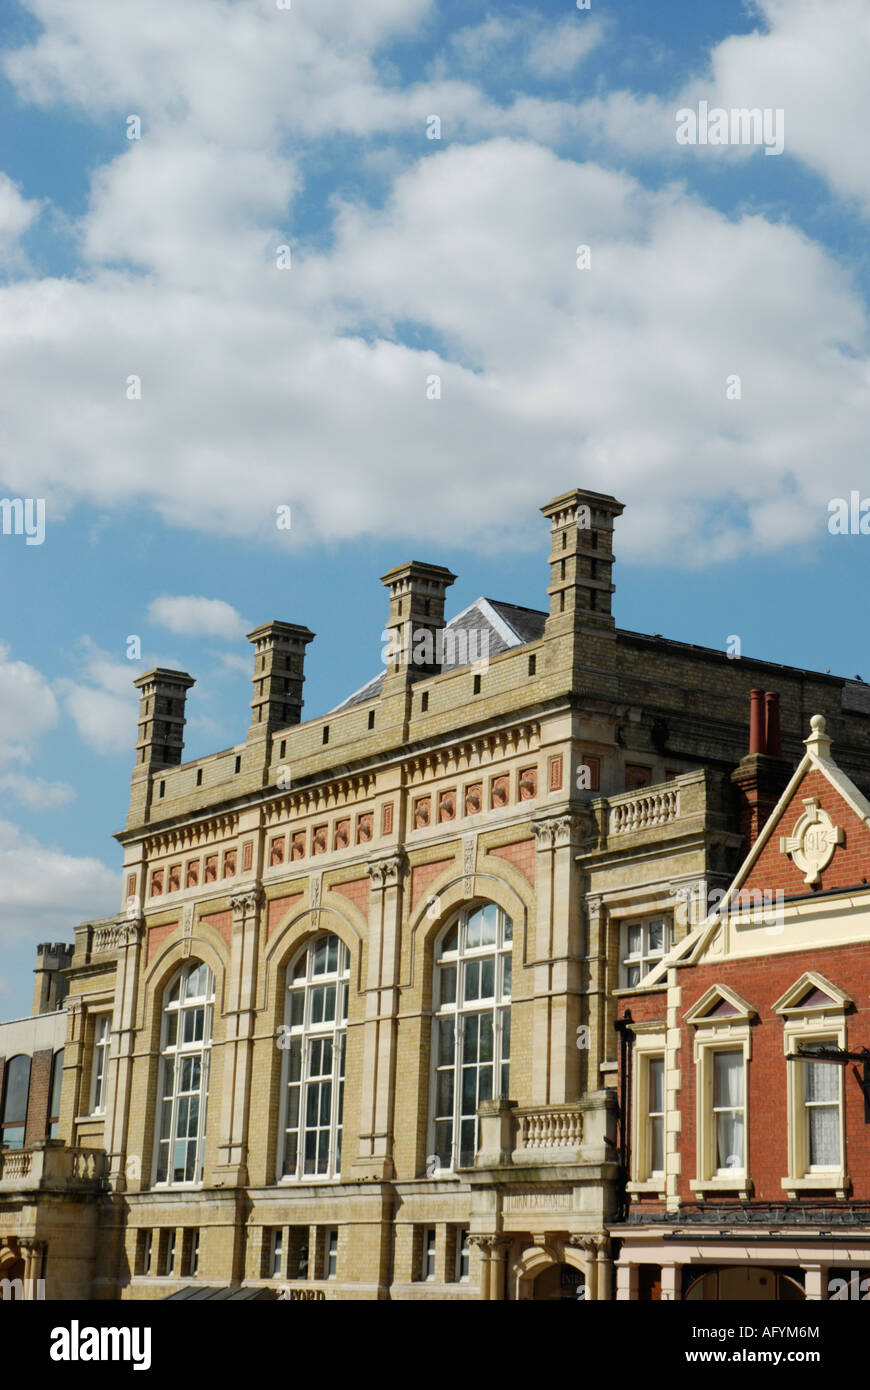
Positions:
{"x": 16, "y": 1085}
{"x": 471, "y": 1040}
{"x": 54, "y": 1095}
{"x": 313, "y": 1038}
{"x": 185, "y": 1047}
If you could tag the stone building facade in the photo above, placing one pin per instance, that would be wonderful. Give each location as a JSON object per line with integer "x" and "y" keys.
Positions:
{"x": 359, "y": 1002}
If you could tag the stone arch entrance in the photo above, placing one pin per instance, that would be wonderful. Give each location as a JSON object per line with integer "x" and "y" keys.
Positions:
{"x": 549, "y": 1273}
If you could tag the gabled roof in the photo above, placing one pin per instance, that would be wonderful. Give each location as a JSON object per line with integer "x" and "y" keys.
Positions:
{"x": 777, "y": 859}
{"x": 505, "y": 624}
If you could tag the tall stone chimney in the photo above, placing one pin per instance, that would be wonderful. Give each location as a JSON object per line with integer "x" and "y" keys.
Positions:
{"x": 51, "y": 985}
{"x": 279, "y": 661}
{"x": 415, "y": 622}
{"x": 160, "y": 740}
{"x": 581, "y": 561}
{"x": 762, "y": 776}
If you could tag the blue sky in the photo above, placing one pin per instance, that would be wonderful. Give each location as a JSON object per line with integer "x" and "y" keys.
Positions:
{"x": 411, "y": 258}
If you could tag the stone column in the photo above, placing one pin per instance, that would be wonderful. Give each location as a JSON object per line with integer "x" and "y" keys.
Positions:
{"x": 128, "y": 936}
{"x": 603, "y": 1270}
{"x": 491, "y": 1272}
{"x": 815, "y": 1283}
{"x": 31, "y": 1252}
{"x": 232, "y": 1159}
{"x": 627, "y": 1280}
{"x": 671, "y": 1283}
{"x": 558, "y": 948}
{"x": 381, "y": 993}
{"x": 601, "y": 1038}
{"x": 588, "y": 1245}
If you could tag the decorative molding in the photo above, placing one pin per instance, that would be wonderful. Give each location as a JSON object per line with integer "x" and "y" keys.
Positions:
{"x": 385, "y": 871}
{"x": 469, "y": 863}
{"x": 813, "y": 840}
{"x": 114, "y": 937}
{"x": 245, "y": 904}
{"x": 186, "y": 930}
{"x": 555, "y": 832}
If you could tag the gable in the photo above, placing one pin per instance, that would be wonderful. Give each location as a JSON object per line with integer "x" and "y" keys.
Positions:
{"x": 800, "y": 836}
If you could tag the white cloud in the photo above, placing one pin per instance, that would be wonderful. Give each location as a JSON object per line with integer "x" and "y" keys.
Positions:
{"x": 36, "y": 793}
{"x": 16, "y": 215}
{"x": 263, "y": 387}
{"x": 190, "y": 616}
{"x": 28, "y": 708}
{"x": 556, "y": 50}
{"x": 102, "y": 702}
{"x": 45, "y": 892}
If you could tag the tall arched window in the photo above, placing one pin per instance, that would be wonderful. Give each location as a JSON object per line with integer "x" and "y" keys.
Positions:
{"x": 471, "y": 1041}
{"x": 185, "y": 1047}
{"x": 16, "y": 1085}
{"x": 313, "y": 1038}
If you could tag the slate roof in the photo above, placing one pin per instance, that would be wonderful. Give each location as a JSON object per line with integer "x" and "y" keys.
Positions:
{"x": 506, "y": 624}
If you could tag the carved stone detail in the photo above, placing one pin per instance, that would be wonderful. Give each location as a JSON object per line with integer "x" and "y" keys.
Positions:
{"x": 385, "y": 871}
{"x": 469, "y": 863}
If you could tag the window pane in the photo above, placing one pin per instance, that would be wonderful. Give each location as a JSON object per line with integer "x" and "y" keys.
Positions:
{"x": 506, "y": 977}
{"x": 448, "y": 984}
{"x": 656, "y": 936}
{"x": 17, "y": 1083}
{"x": 633, "y": 938}
{"x": 473, "y": 931}
{"x": 729, "y": 1139}
{"x": 657, "y": 1085}
{"x": 487, "y": 978}
{"x": 825, "y": 1135}
{"x": 657, "y": 1145}
{"x": 445, "y": 1041}
{"x": 488, "y": 924}
{"x": 822, "y": 1081}
{"x": 728, "y": 1079}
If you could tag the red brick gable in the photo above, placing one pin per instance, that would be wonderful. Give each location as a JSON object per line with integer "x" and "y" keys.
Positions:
{"x": 774, "y": 869}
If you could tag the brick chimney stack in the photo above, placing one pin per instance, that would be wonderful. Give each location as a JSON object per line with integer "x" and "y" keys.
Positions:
{"x": 762, "y": 776}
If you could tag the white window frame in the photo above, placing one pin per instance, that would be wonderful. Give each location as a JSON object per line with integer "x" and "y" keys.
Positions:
{"x": 177, "y": 1052}
{"x": 724, "y": 1033}
{"x": 650, "y": 1043}
{"x": 100, "y": 1052}
{"x": 645, "y": 960}
{"x": 803, "y": 1026}
{"x": 302, "y": 1036}
{"x": 497, "y": 1006}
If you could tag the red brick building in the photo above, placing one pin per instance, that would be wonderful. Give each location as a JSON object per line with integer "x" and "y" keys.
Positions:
{"x": 747, "y": 1167}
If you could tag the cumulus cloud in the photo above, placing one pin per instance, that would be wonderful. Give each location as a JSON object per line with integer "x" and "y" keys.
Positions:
{"x": 28, "y": 707}
{"x": 36, "y": 793}
{"x": 264, "y": 386}
{"x": 16, "y": 215}
{"x": 190, "y": 616}
{"x": 101, "y": 701}
{"x": 45, "y": 891}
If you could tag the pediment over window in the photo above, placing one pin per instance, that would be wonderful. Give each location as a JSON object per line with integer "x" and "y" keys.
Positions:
{"x": 812, "y": 991}
{"x": 720, "y": 1005}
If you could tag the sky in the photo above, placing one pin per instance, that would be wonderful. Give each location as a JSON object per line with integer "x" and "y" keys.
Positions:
{"x": 409, "y": 269}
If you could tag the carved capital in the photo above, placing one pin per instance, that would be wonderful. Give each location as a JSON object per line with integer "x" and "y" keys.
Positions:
{"x": 555, "y": 832}
{"x": 246, "y": 904}
{"x": 385, "y": 871}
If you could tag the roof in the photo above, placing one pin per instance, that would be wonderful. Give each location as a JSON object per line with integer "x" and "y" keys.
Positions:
{"x": 485, "y": 623}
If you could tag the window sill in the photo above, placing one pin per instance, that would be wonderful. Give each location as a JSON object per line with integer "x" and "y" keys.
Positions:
{"x": 818, "y": 1182}
{"x": 650, "y": 1187}
{"x": 741, "y": 1185}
